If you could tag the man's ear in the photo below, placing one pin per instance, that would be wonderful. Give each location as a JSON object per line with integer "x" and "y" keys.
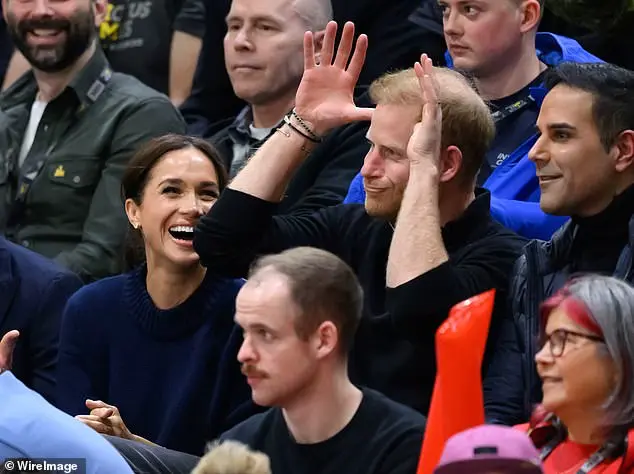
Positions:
{"x": 624, "y": 148}
{"x": 326, "y": 339}
{"x": 318, "y": 38}
{"x": 531, "y": 15}
{"x": 100, "y": 10}
{"x": 450, "y": 163}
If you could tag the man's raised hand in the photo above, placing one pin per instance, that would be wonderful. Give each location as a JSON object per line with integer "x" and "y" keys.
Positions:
{"x": 325, "y": 97}
{"x": 424, "y": 145}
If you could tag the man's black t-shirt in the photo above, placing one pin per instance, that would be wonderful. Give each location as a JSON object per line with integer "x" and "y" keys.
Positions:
{"x": 515, "y": 117}
{"x": 383, "y": 437}
{"x": 136, "y": 36}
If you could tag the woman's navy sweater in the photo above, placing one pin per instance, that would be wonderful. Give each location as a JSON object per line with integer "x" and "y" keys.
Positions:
{"x": 173, "y": 373}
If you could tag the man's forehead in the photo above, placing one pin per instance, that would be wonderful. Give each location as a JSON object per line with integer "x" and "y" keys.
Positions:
{"x": 567, "y": 103}
{"x": 260, "y": 8}
{"x": 393, "y": 122}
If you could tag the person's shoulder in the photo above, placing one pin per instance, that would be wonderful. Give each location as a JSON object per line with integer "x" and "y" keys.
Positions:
{"x": 254, "y": 429}
{"x": 129, "y": 86}
{"x": 218, "y": 131}
{"x": 35, "y": 267}
{"x": 392, "y": 414}
{"x": 229, "y": 284}
{"x": 38, "y": 429}
{"x": 99, "y": 294}
{"x": 500, "y": 233}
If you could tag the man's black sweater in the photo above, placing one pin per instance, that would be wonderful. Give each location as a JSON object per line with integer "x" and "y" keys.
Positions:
{"x": 394, "y": 348}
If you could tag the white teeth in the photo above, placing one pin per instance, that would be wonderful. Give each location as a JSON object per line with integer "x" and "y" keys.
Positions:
{"x": 182, "y": 228}
{"x": 45, "y": 32}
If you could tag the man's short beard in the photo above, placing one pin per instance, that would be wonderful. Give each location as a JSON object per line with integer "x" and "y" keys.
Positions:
{"x": 80, "y": 33}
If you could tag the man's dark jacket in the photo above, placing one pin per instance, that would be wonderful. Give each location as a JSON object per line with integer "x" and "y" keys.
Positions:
{"x": 72, "y": 211}
{"x": 512, "y": 387}
{"x": 33, "y": 294}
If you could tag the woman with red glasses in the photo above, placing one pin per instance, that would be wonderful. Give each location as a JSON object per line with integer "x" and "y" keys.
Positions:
{"x": 586, "y": 363}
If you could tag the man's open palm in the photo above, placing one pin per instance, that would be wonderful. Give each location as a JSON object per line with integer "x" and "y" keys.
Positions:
{"x": 7, "y": 344}
{"x": 325, "y": 97}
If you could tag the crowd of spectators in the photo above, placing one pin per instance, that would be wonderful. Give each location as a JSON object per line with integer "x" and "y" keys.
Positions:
{"x": 231, "y": 231}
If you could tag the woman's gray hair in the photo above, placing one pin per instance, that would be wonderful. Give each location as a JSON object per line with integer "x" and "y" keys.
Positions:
{"x": 611, "y": 304}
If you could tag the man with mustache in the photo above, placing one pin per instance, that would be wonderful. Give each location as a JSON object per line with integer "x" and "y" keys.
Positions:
{"x": 299, "y": 311}
{"x": 67, "y": 129}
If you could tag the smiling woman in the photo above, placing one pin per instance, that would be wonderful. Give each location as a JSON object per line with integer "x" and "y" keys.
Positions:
{"x": 168, "y": 185}
{"x": 586, "y": 420}
{"x": 151, "y": 355}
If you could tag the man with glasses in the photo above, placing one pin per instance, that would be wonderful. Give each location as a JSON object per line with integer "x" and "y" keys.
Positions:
{"x": 584, "y": 158}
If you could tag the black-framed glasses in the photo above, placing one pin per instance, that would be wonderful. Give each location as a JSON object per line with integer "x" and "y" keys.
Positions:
{"x": 558, "y": 338}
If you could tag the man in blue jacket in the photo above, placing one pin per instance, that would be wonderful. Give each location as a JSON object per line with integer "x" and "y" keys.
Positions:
{"x": 497, "y": 45}
{"x": 33, "y": 293}
{"x": 31, "y": 428}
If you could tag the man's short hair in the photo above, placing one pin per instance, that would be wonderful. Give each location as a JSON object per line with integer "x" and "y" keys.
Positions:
{"x": 323, "y": 288}
{"x": 466, "y": 120}
{"x": 315, "y": 13}
{"x": 232, "y": 457}
{"x": 612, "y": 89}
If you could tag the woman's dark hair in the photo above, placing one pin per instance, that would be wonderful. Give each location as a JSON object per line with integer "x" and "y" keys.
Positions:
{"x": 137, "y": 175}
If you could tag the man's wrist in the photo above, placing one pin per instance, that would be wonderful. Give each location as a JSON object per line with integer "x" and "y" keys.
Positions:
{"x": 314, "y": 129}
{"x": 424, "y": 168}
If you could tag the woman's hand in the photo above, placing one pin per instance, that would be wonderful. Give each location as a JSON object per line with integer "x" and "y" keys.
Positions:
{"x": 105, "y": 419}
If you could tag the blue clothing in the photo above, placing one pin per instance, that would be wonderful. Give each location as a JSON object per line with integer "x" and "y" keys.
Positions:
{"x": 173, "y": 373}
{"x": 514, "y": 186}
{"x": 515, "y": 117}
{"x": 33, "y": 293}
{"x": 32, "y": 428}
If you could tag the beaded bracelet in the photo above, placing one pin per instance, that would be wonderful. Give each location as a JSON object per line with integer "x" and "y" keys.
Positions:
{"x": 316, "y": 138}
{"x": 288, "y": 122}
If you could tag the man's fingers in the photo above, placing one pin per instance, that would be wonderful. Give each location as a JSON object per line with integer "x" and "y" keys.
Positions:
{"x": 429, "y": 86}
{"x": 358, "y": 57}
{"x": 328, "y": 48}
{"x": 309, "y": 50}
{"x": 361, "y": 114}
{"x": 7, "y": 344}
{"x": 345, "y": 45}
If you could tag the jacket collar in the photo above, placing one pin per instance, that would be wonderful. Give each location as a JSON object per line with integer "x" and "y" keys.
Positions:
{"x": 8, "y": 279}
{"x": 87, "y": 84}
{"x": 549, "y": 257}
